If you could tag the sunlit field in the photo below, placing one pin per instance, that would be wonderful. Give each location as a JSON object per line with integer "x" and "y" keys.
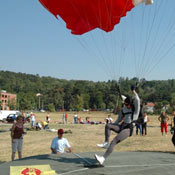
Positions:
{"x": 84, "y": 137}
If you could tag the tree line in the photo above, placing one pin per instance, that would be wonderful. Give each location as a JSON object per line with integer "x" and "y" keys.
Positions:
{"x": 56, "y": 94}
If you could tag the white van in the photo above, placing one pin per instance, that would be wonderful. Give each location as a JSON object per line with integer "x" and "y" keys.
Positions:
{"x": 5, "y": 113}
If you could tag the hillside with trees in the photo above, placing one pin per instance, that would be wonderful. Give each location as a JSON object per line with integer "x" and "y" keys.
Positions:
{"x": 56, "y": 94}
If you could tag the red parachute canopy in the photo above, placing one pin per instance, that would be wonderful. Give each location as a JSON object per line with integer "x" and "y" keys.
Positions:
{"x": 82, "y": 16}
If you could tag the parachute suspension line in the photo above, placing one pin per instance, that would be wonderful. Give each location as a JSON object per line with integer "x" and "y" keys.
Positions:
{"x": 137, "y": 56}
{"x": 165, "y": 38}
{"x": 164, "y": 42}
{"x": 143, "y": 61}
{"x": 103, "y": 38}
{"x": 137, "y": 34}
{"x": 93, "y": 53}
{"x": 134, "y": 45}
{"x": 123, "y": 50}
{"x": 150, "y": 24}
{"x": 151, "y": 58}
{"x": 110, "y": 39}
{"x": 163, "y": 56}
{"x": 99, "y": 57}
{"x": 152, "y": 45}
{"x": 139, "y": 60}
{"x": 85, "y": 45}
{"x": 117, "y": 57}
{"x": 103, "y": 57}
{"x": 143, "y": 57}
{"x": 112, "y": 43}
{"x": 112, "y": 56}
{"x": 103, "y": 61}
{"x": 109, "y": 69}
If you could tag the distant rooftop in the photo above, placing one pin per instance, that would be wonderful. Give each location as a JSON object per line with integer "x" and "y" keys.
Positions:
{"x": 150, "y": 104}
{"x": 4, "y": 91}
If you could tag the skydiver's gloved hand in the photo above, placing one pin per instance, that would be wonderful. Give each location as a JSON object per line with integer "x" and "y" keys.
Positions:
{"x": 134, "y": 123}
{"x": 148, "y": 2}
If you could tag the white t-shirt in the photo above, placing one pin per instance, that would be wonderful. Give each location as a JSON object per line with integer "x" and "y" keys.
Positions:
{"x": 60, "y": 144}
{"x": 32, "y": 118}
{"x": 109, "y": 120}
{"x": 145, "y": 119}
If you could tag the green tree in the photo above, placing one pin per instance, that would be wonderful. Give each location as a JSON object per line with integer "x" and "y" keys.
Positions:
{"x": 12, "y": 104}
{"x": 51, "y": 108}
{"x": 86, "y": 98}
{"x": 78, "y": 103}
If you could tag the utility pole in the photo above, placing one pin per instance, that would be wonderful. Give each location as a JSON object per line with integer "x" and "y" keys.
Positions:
{"x": 39, "y": 99}
{"x": 63, "y": 105}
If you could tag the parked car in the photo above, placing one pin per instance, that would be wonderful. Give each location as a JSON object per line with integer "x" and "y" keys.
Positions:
{"x": 5, "y": 113}
{"x": 42, "y": 110}
{"x": 11, "y": 118}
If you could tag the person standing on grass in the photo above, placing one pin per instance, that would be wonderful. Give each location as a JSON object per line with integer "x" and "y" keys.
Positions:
{"x": 17, "y": 132}
{"x": 144, "y": 125}
{"x": 140, "y": 121}
{"x": 163, "y": 118}
{"x": 60, "y": 143}
{"x": 66, "y": 117}
{"x": 173, "y": 128}
{"x": 75, "y": 118}
{"x": 63, "y": 118}
{"x": 123, "y": 125}
{"x": 48, "y": 118}
{"x": 32, "y": 120}
{"x": 109, "y": 119}
{"x": 173, "y": 119}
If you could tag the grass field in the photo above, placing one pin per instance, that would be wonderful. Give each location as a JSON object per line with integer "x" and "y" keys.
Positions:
{"x": 84, "y": 137}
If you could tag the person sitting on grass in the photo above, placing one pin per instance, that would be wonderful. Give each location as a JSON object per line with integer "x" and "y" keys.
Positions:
{"x": 45, "y": 125}
{"x": 38, "y": 126}
{"x": 60, "y": 143}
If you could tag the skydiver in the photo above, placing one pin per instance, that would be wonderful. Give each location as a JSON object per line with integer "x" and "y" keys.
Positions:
{"x": 123, "y": 125}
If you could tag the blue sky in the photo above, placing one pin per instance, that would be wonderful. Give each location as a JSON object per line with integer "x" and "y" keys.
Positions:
{"x": 33, "y": 41}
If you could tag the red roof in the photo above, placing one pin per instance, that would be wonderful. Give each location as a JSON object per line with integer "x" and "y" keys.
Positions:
{"x": 150, "y": 104}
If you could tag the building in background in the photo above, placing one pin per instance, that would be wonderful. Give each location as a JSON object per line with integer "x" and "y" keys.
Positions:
{"x": 8, "y": 100}
{"x": 150, "y": 107}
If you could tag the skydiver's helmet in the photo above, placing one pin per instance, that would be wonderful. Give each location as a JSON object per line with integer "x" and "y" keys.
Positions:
{"x": 133, "y": 88}
{"x": 127, "y": 101}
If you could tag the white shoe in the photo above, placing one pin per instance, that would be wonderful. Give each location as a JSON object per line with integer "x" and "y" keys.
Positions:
{"x": 100, "y": 159}
{"x": 104, "y": 145}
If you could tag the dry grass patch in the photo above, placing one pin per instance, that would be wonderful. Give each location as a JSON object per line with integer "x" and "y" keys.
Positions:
{"x": 84, "y": 137}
